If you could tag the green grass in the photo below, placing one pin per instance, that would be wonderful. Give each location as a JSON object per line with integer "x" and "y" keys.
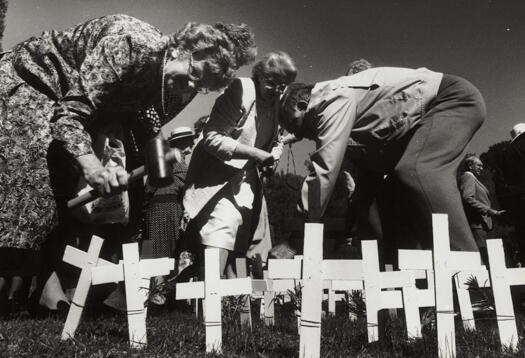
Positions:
{"x": 180, "y": 334}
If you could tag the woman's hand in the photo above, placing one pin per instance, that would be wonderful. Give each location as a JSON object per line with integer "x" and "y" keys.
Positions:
{"x": 243, "y": 151}
{"x": 289, "y": 139}
{"x": 107, "y": 181}
{"x": 496, "y": 213}
{"x": 264, "y": 158}
{"x": 277, "y": 151}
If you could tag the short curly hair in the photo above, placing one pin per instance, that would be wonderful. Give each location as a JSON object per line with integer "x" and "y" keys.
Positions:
{"x": 358, "y": 66}
{"x": 295, "y": 93}
{"x": 470, "y": 160}
{"x": 276, "y": 64}
{"x": 223, "y": 47}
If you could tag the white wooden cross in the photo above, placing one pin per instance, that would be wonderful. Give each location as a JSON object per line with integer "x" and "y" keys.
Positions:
{"x": 285, "y": 275}
{"x": 502, "y": 280}
{"x": 419, "y": 264}
{"x": 245, "y": 310}
{"x": 374, "y": 281}
{"x": 291, "y": 270}
{"x": 311, "y": 292}
{"x": 392, "y": 312}
{"x": 349, "y": 286}
{"x": 265, "y": 289}
{"x": 212, "y": 289}
{"x": 332, "y": 297}
{"x": 136, "y": 275}
{"x": 313, "y": 271}
{"x": 415, "y": 261}
{"x": 446, "y": 264}
{"x": 465, "y": 305}
{"x": 85, "y": 261}
{"x": 333, "y": 293}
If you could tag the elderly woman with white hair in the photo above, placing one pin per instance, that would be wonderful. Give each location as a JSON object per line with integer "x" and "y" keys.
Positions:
{"x": 62, "y": 87}
{"x": 224, "y": 191}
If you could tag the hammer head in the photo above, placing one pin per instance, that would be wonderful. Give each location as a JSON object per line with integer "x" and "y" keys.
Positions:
{"x": 159, "y": 170}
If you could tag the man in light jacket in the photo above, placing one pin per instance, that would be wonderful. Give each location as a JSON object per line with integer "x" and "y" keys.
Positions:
{"x": 412, "y": 124}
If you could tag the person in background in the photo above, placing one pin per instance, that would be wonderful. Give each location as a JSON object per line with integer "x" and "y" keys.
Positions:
{"x": 476, "y": 201}
{"x": 357, "y": 66}
{"x": 63, "y": 85}
{"x": 164, "y": 210}
{"x": 224, "y": 191}
{"x": 511, "y": 185}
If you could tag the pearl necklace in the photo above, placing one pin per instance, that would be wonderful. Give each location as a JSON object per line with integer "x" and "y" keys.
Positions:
{"x": 163, "y": 84}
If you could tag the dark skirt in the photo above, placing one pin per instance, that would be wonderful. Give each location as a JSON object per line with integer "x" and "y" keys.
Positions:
{"x": 163, "y": 217}
{"x": 19, "y": 262}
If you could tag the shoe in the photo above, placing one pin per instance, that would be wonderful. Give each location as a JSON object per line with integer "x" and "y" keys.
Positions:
{"x": 63, "y": 308}
{"x": 158, "y": 299}
{"x": 282, "y": 251}
{"x": 116, "y": 300}
{"x": 12, "y": 307}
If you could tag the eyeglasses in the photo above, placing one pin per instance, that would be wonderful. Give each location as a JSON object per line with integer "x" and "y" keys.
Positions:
{"x": 274, "y": 85}
{"x": 195, "y": 76}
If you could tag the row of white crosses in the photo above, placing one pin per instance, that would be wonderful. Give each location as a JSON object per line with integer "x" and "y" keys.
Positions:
{"x": 346, "y": 275}
{"x": 439, "y": 268}
{"x": 463, "y": 267}
{"x": 443, "y": 264}
{"x": 415, "y": 298}
{"x": 135, "y": 273}
{"x": 315, "y": 274}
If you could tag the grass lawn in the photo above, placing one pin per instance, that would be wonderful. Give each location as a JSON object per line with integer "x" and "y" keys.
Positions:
{"x": 180, "y": 334}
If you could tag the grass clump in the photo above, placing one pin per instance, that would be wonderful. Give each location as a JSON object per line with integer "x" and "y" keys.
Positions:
{"x": 180, "y": 334}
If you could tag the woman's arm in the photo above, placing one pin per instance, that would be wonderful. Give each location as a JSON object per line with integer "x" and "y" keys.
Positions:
{"x": 102, "y": 74}
{"x": 334, "y": 125}
{"x": 224, "y": 119}
{"x": 107, "y": 181}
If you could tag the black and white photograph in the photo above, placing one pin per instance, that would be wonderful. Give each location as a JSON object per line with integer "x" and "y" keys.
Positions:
{"x": 293, "y": 178}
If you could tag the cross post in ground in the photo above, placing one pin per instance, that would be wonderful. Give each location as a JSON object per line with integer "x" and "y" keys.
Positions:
{"x": 85, "y": 261}
{"x": 136, "y": 275}
{"x": 446, "y": 264}
{"x": 503, "y": 279}
{"x": 212, "y": 289}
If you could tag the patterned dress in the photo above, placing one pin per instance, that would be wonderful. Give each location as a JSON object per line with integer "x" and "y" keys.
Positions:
{"x": 164, "y": 213}
{"x": 61, "y": 87}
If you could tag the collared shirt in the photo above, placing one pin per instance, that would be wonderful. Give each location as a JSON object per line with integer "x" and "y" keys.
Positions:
{"x": 362, "y": 113}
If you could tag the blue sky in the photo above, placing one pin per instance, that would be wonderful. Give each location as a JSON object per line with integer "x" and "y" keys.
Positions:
{"x": 483, "y": 41}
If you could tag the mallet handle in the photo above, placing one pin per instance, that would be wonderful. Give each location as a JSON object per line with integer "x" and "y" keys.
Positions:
{"x": 134, "y": 175}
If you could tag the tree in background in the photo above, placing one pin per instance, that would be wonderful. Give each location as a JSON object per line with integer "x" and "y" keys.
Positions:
{"x": 3, "y": 10}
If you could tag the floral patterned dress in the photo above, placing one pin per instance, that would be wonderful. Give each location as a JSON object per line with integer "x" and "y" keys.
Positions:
{"x": 60, "y": 87}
